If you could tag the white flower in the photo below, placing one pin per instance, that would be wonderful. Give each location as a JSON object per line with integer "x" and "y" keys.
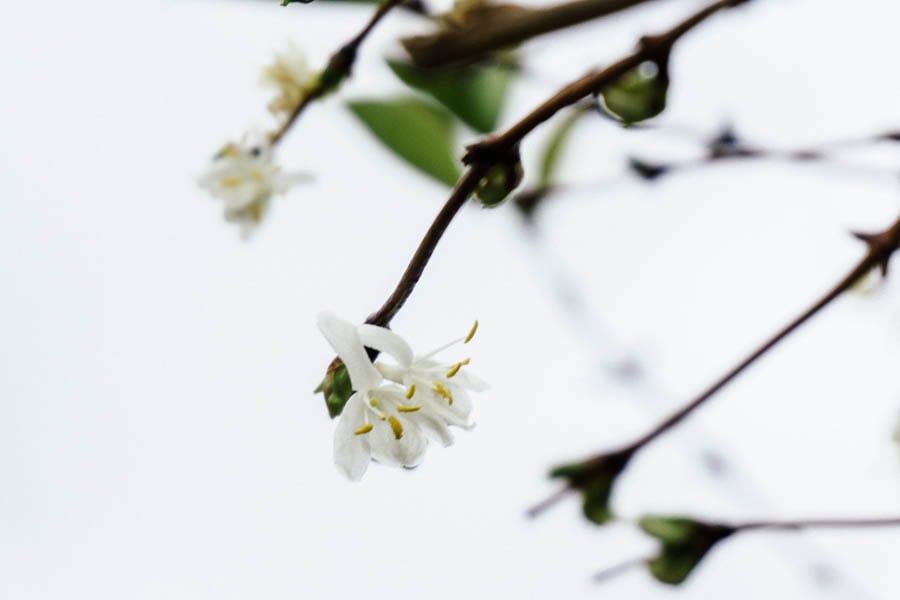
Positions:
{"x": 245, "y": 178}
{"x": 292, "y": 79}
{"x": 396, "y": 406}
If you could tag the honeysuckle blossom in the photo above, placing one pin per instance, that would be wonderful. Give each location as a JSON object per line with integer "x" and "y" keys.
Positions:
{"x": 290, "y": 76}
{"x": 245, "y": 178}
{"x": 397, "y": 405}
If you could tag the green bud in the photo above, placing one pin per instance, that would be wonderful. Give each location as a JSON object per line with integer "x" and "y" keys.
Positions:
{"x": 638, "y": 95}
{"x": 336, "y": 388}
{"x": 498, "y": 183}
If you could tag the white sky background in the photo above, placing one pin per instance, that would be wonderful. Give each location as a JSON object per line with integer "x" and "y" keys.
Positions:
{"x": 158, "y": 434}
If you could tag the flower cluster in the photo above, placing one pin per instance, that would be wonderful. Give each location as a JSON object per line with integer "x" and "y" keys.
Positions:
{"x": 245, "y": 178}
{"x": 290, "y": 76}
{"x": 398, "y": 404}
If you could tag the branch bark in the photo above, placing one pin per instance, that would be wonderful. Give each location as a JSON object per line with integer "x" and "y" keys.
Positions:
{"x": 494, "y": 32}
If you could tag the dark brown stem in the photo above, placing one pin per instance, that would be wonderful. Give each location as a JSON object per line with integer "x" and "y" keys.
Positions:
{"x": 339, "y": 67}
{"x": 496, "y": 149}
{"x": 461, "y": 192}
{"x": 503, "y": 29}
{"x": 880, "y": 248}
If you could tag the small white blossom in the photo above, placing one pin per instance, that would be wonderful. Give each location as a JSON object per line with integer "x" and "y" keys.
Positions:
{"x": 245, "y": 178}
{"x": 396, "y": 406}
{"x": 290, "y": 76}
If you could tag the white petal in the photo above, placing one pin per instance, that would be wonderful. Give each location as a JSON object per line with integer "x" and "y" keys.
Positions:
{"x": 435, "y": 428}
{"x": 351, "y": 451}
{"x": 408, "y": 451}
{"x": 465, "y": 379}
{"x": 385, "y": 340}
{"x": 457, "y": 413}
{"x": 342, "y": 337}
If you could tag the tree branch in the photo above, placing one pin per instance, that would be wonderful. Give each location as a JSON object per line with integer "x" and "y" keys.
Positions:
{"x": 501, "y": 30}
{"x": 880, "y": 248}
{"x": 495, "y": 150}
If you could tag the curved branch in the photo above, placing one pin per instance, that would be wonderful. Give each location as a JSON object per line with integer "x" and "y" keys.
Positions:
{"x": 495, "y": 150}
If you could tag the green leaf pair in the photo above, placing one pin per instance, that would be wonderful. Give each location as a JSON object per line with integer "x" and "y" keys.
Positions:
{"x": 685, "y": 542}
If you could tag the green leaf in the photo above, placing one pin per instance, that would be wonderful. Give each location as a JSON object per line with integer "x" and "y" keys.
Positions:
{"x": 595, "y": 478}
{"x": 638, "y": 95}
{"x": 552, "y": 151}
{"x": 416, "y": 131}
{"x": 671, "y": 530}
{"x": 475, "y": 94}
{"x": 685, "y": 542}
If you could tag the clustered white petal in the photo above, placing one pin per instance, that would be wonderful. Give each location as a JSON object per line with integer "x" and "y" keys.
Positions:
{"x": 290, "y": 76}
{"x": 397, "y": 404}
{"x": 245, "y": 178}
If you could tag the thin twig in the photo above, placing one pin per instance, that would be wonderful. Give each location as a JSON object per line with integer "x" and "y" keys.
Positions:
{"x": 339, "y": 67}
{"x": 820, "y": 524}
{"x": 880, "y": 247}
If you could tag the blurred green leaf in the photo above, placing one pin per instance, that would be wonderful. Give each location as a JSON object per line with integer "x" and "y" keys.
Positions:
{"x": 685, "y": 542}
{"x": 638, "y": 95}
{"x": 552, "y": 151}
{"x": 671, "y": 530}
{"x": 595, "y": 479}
{"x": 416, "y": 131}
{"x": 475, "y": 94}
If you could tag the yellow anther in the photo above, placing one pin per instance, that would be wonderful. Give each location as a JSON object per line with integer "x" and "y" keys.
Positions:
{"x": 231, "y": 151}
{"x": 373, "y": 402}
{"x": 442, "y": 391}
{"x": 396, "y": 427}
{"x": 231, "y": 181}
{"x": 408, "y": 409}
{"x": 455, "y": 368}
{"x": 364, "y": 429}
{"x": 471, "y": 333}
{"x": 411, "y": 391}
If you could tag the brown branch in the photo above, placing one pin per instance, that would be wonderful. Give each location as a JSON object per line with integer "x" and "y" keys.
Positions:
{"x": 339, "y": 67}
{"x": 503, "y": 28}
{"x": 880, "y": 248}
{"x": 461, "y": 192}
{"x": 498, "y": 149}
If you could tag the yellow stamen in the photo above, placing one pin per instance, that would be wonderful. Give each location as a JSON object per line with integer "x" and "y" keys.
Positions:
{"x": 364, "y": 429}
{"x": 231, "y": 151}
{"x": 442, "y": 391}
{"x": 396, "y": 427}
{"x": 411, "y": 391}
{"x": 408, "y": 409}
{"x": 455, "y": 368}
{"x": 471, "y": 332}
{"x": 374, "y": 404}
{"x": 231, "y": 181}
